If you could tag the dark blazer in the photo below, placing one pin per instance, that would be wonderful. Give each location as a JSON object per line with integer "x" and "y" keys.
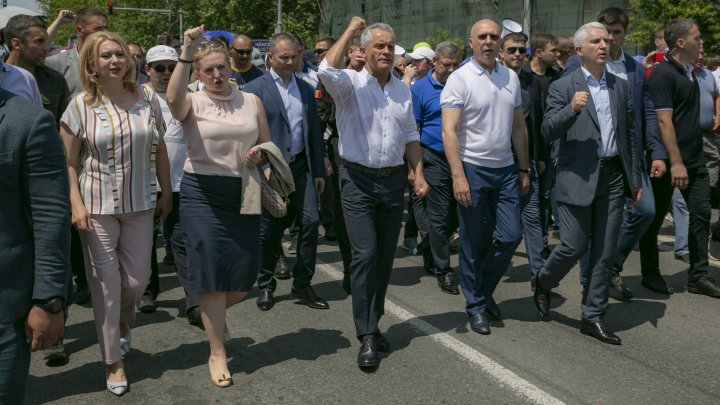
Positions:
{"x": 647, "y": 130}
{"x": 34, "y": 208}
{"x": 578, "y": 165}
{"x": 266, "y": 89}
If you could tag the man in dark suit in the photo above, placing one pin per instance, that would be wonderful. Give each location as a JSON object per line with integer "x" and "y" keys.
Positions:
{"x": 591, "y": 113}
{"x": 295, "y": 128}
{"x": 638, "y": 216}
{"x": 34, "y": 239}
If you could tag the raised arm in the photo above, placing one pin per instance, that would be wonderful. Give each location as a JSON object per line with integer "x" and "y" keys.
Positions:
{"x": 177, "y": 96}
{"x": 64, "y": 17}
{"x": 336, "y": 55}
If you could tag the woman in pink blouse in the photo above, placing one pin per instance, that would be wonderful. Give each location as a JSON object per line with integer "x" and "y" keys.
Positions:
{"x": 221, "y": 125}
{"x": 113, "y": 139}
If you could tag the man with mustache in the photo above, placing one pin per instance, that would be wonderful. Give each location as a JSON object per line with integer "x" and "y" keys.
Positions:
{"x": 591, "y": 113}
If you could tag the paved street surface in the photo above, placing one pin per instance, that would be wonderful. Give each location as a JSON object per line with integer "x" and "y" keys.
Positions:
{"x": 297, "y": 355}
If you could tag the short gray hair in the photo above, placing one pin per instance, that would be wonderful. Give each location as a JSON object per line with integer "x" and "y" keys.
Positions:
{"x": 365, "y": 36}
{"x": 447, "y": 49}
{"x": 581, "y": 33}
{"x": 676, "y": 29}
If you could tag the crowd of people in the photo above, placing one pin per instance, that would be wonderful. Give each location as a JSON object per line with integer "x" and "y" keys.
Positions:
{"x": 106, "y": 146}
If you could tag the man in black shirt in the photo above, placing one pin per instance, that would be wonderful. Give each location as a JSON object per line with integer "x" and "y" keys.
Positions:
{"x": 676, "y": 96}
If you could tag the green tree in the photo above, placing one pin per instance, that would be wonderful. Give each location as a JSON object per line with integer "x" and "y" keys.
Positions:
{"x": 442, "y": 35}
{"x": 253, "y": 17}
{"x": 647, "y": 16}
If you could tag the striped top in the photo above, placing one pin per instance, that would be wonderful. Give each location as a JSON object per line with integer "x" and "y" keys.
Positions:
{"x": 117, "y": 162}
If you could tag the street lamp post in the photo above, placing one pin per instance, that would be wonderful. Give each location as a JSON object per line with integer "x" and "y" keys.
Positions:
{"x": 278, "y": 27}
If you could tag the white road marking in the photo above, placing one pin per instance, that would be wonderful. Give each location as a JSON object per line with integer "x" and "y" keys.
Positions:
{"x": 505, "y": 377}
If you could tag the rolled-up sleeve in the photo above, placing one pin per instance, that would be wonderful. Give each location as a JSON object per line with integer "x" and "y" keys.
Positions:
{"x": 337, "y": 82}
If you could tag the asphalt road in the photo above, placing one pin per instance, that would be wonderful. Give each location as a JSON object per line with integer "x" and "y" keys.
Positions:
{"x": 297, "y": 355}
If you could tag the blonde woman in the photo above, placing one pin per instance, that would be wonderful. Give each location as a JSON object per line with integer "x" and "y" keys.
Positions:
{"x": 222, "y": 125}
{"x": 112, "y": 133}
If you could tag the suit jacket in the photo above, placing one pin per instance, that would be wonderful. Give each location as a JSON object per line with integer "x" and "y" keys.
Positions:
{"x": 266, "y": 89}
{"x": 66, "y": 63}
{"x": 647, "y": 130}
{"x": 579, "y": 137}
{"x": 34, "y": 208}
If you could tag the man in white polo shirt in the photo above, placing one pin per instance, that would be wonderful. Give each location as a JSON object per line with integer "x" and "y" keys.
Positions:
{"x": 482, "y": 120}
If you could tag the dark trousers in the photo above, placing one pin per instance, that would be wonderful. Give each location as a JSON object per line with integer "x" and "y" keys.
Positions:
{"x": 599, "y": 224}
{"x": 697, "y": 198}
{"x": 338, "y": 217}
{"x": 436, "y": 215}
{"x": 532, "y": 223}
{"x": 490, "y": 231}
{"x": 303, "y": 209}
{"x": 77, "y": 260}
{"x": 14, "y": 363}
{"x": 327, "y": 198}
{"x": 373, "y": 208}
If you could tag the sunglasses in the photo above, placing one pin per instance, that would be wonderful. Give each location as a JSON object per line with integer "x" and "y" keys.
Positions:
{"x": 243, "y": 51}
{"x": 161, "y": 68}
{"x": 212, "y": 44}
{"x": 318, "y": 51}
{"x": 514, "y": 50}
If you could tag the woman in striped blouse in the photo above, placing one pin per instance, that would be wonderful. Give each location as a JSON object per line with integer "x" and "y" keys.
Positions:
{"x": 113, "y": 139}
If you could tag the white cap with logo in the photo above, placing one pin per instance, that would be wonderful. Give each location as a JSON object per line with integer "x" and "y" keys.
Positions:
{"x": 161, "y": 52}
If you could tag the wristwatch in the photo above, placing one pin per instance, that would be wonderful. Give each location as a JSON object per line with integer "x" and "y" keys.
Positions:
{"x": 53, "y": 305}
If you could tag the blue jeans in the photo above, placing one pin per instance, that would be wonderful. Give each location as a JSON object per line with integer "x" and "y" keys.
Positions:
{"x": 681, "y": 220}
{"x": 486, "y": 251}
{"x": 638, "y": 218}
{"x": 14, "y": 362}
{"x": 532, "y": 223}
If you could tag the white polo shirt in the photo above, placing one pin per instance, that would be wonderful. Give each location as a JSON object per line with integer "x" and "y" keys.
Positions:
{"x": 487, "y": 100}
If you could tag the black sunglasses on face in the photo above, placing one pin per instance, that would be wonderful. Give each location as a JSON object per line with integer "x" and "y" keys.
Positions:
{"x": 318, "y": 51}
{"x": 513, "y": 50}
{"x": 161, "y": 68}
{"x": 243, "y": 51}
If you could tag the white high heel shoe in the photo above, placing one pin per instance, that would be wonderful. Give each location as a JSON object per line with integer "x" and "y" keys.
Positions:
{"x": 116, "y": 387}
{"x": 125, "y": 343}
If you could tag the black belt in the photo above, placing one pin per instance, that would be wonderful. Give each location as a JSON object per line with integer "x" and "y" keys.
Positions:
{"x": 381, "y": 172}
{"x": 613, "y": 161}
{"x": 298, "y": 156}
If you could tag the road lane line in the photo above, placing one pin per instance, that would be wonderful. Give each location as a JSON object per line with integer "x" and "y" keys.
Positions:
{"x": 502, "y": 375}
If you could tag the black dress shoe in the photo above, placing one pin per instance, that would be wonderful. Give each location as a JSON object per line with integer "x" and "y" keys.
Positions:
{"x": 308, "y": 297}
{"x": 147, "y": 303}
{"x": 367, "y": 356}
{"x": 265, "y": 301}
{"x": 618, "y": 290}
{"x": 330, "y": 235}
{"x": 447, "y": 283}
{"x": 480, "y": 324}
{"x": 657, "y": 284}
{"x": 492, "y": 309}
{"x": 685, "y": 257}
{"x": 542, "y": 300}
{"x": 704, "y": 286}
{"x": 81, "y": 295}
{"x": 194, "y": 318}
{"x": 598, "y": 331}
{"x": 347, "y": 284}
{"x": 282, "y": 271}
{"x": 382, "y": 344}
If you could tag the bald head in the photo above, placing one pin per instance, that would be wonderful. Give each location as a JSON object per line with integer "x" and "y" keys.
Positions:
{"x": 485, "y": 41}
{"x": 241, "y": 51}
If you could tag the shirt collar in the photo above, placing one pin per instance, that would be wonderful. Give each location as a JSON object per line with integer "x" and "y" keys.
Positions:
{"x": 368, "y": 77}
{"x": 432, "y": 80}
{"x": 279, "y": 79}
{"x": 481, "y": 70}
{"x": 620, "y": 59}
{"x": 590, "y": 79}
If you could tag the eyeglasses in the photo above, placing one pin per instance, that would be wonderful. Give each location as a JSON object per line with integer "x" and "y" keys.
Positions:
{"x": 318, "y": 51}
{"x": 212, "y": 44}
{"x": 161, "y": 68}
{"x": 514, "y": 50}
{"x": 243, "y": 51}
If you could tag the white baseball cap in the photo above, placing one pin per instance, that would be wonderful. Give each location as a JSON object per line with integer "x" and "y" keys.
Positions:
{"x": 161, "y": 52}
{"x": 422, "y": 52}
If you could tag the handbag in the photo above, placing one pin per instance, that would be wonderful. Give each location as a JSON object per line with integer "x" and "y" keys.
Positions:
{"x": 272, "y": 201}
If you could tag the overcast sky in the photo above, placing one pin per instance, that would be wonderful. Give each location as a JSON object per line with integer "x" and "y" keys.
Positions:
{"x": 28, "y": 4}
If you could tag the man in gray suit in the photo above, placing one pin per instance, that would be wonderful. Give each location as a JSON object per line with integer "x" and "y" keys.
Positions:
{"x": 88, "y": 20}
{"x": 590, "y": 111}
{"x": 34, "y": 239}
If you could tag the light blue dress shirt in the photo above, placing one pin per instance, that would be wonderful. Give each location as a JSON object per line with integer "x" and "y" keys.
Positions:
{"x": 601, "y": 98}
{"x": 21, "y": 82}
{"x": 290, "y": 95}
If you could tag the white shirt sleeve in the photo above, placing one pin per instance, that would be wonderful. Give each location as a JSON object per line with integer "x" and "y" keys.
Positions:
{"x": 453, "y": 95}
{"x": 338, "y": 82}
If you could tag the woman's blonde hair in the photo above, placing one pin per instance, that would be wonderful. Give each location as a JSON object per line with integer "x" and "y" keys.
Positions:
{"x": 89, "y": 55}
{"x": 212, "y": 45}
